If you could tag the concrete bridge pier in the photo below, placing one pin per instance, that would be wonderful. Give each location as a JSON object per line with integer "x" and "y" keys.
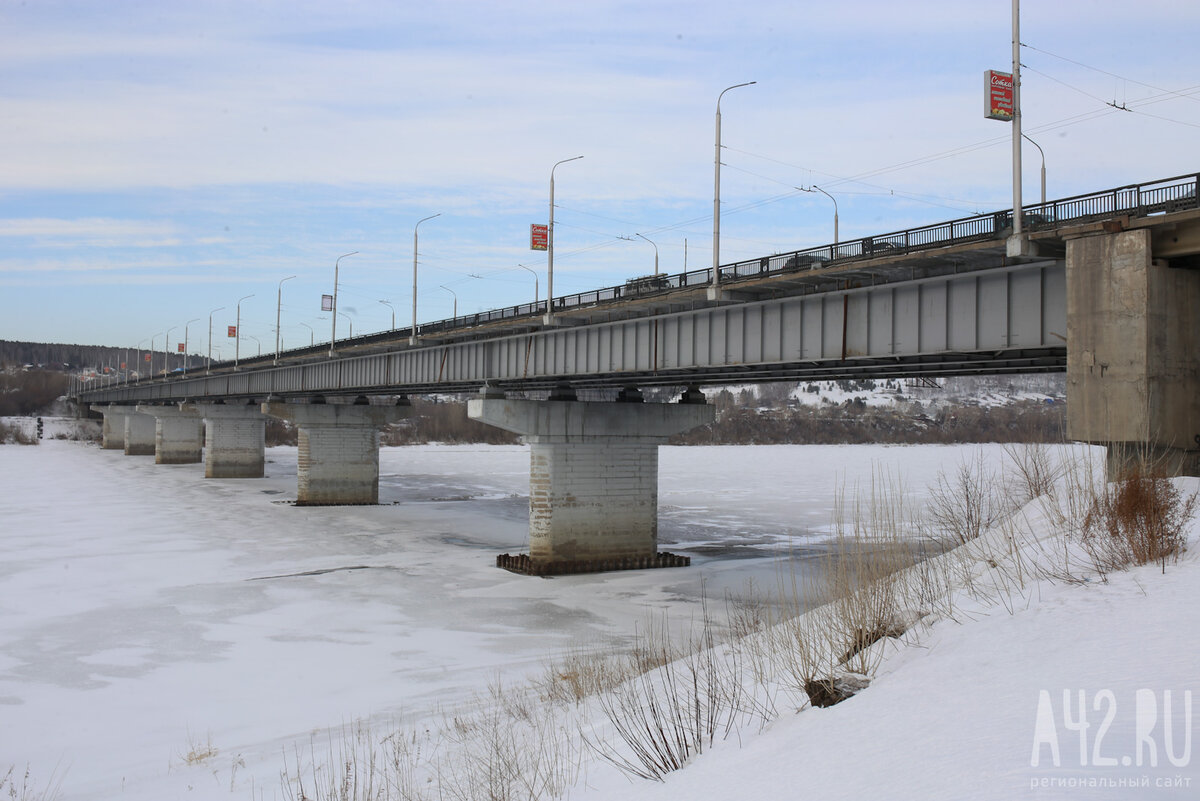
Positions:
{"x": 1133, "y": 339}
{"x": 140, "y": 431}
{"x": 593, "y": 477}
{"x": 234, "y": 440}
{"x": 338, "y": 459}
{"x": 112, "y": 430}
{"x": 178, "y": 433}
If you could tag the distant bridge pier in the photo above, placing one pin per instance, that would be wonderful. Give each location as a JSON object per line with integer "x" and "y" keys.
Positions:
{"x": 1133, "y": 345}
{"x": 593, "y": 477}
{"x": 178, "y": 433}
{"x": 112, "y": 430}
{"x": 234, "y": 440}
{"x": 338, "y": 460}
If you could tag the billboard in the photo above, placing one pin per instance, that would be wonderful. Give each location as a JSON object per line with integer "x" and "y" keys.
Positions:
{"x": 179, "y": 347}
{"x": 232, "y": 331}
{"x": 539, "y": 237}
{"x": 327, "y": 303}
{"x": 998, "y": 95}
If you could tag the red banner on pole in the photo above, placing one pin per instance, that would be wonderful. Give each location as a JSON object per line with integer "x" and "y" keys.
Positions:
{"x": 539, "y": 237}
{"x": 179, "y": 347}
{"x": 998, "y": 95}
{"x": 146, "y": 358}
{"x": 232, "y": 331}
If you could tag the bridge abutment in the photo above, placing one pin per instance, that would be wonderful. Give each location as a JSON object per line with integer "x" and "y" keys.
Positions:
{"x": 338, "y": 461}
{"x": 593, "y": 478}
{"x": 1133, "y": 335}
{"x": 112, "y": 430}
{"x": 234, "y": 440}
{"x": 178, "y": 433}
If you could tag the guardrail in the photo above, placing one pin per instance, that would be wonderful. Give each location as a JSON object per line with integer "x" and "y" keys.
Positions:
{"x": 1138, "y": 200}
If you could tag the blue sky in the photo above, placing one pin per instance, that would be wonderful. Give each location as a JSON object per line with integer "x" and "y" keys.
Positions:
{"x": 161, "y": 160}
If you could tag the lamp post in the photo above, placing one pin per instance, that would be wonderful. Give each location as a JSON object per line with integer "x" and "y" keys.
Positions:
{"x": 536, "y": 291}
{"x": 278, "y": 306}
{"x": 393, "y": 308}
{"x": 237, "y": 331}
{"x": 139, "y": 360}
{"x": 412, "y": 333}
{"x": 550, "y": 245}
{"x": 716, "y": 256}
{"x": 257, "y": 340}
{"x": 351, "y": 322}
{"x": 312, "y": 335}
{"x": 1016, "y": 123}
{"x": 185, "y": 342}
{"x": 835, "y": 212}
{"x": 655, "y": 252}
{"x": 1043, "y": 154}
{"x": 152, "y": 355}
{"x": 333, "y": 330}
{"x": 208, "y": 367}
{"x": 454, "y": 314}
{"x": 167, "y": 351}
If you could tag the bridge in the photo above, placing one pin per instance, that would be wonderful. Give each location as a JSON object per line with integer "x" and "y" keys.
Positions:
{"x": 1103, "y": 285}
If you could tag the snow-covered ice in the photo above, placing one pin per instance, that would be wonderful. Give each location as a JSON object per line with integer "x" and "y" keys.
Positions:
{"x": 146, "y": 612}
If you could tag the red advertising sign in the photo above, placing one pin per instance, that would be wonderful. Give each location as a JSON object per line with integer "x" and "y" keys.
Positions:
{"x": 232, "y": 331}
{"x": 539, "y": 237}
{"x": 179, "y": 347}
{"x": 998, "y": 95}
{"x": 146, "y": 358}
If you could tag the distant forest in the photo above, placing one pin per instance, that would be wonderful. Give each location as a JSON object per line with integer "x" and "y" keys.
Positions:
{"x": 50, "y": 356}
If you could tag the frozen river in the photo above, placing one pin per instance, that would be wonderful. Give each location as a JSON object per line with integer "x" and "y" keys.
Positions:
{"x": 144, "y": 609}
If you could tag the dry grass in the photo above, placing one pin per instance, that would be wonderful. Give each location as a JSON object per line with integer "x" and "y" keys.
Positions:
{"x": 22, "y": 787}
{"x": 1137, "y": 519}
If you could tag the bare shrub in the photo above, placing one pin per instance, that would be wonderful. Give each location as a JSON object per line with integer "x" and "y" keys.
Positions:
{"x": 967, "y": 503}
{"x": 1138, "y": 519}
{"x": 1036, "y": 471}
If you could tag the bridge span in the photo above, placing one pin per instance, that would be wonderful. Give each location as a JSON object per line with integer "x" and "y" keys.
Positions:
{"x": 1105, "y": 286}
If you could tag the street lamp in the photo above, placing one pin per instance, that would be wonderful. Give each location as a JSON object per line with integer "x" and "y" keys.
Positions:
{"x": 412, "y": 334}
{"x": 152, "y": 355}
{"x": 454, "y": 315}
{"x": 208, "y": 367}
{"x": 185, "y": 342}
{"x": 237, "y": 331}
{"x": 835, "y": 208}
{"x": 655, "y": 252}
{"x": 1043, "y": 154}
{"x": 256, "y": 339}
{"x": 139, "y": 359}
{"x": 278, "y": 306}
{"x": 167, "y": 351}
{"x": 333, "y": 330}
{"x": 350, "y": 321}
{"x": 312, "y": 335}
{"x": 716, "y": 256}
{"x": 393, "y": 308}
{"x": 536, "y": 291}
{"x": 550, "y": 245}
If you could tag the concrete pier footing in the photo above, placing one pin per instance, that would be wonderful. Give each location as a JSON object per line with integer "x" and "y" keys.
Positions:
{"x": 112, "y": 430}
{"x": 1133, "y": 377}
{"x": 234, "y": 440}
{"x": 178, "y": 433}
{"x": 338, "y": 460}
{"x": 593, "y": 477}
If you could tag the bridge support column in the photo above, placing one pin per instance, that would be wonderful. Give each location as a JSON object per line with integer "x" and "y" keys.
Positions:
{"x": 178, "y": 433}
{"x": 338, "y": 462}
{"x": 593, "y": 478}
{"x": 140, "y": 432}
{"x": 234, "y": 440}
{"x": 1133, "y": 335}
{"x": 112, "y": 431}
